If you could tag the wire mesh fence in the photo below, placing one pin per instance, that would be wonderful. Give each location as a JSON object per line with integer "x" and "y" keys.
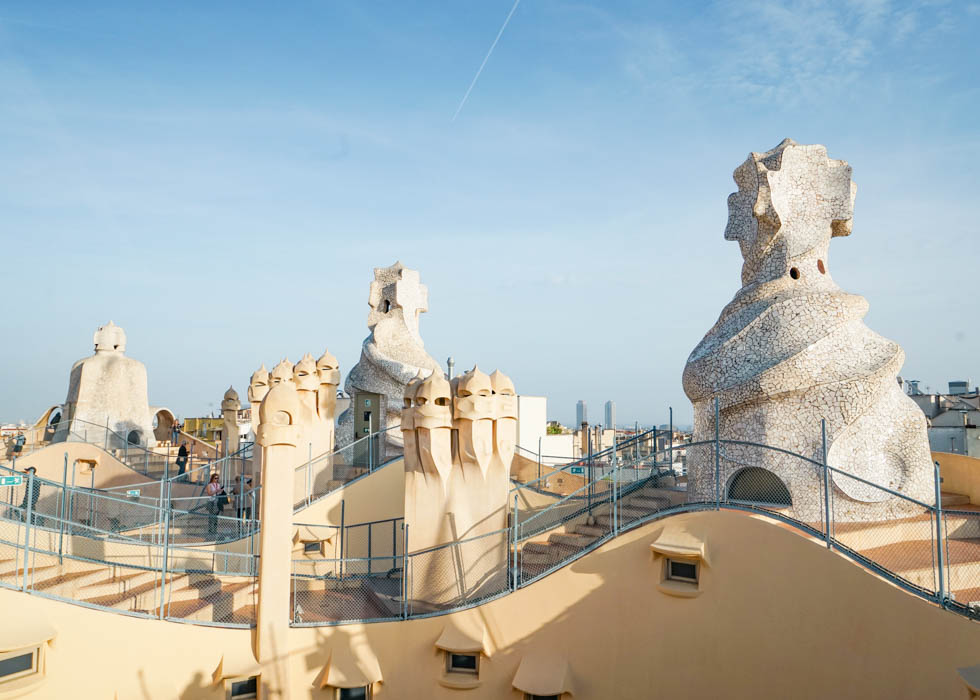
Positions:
{"x": 326, "y": 591}
{"x": 377, "y": 541}
{"x": 464, "y": 572}
{"x": 961, "y": 558}
{"x": 322, "y": 474}
{"x": 901, "y": 540}
{"x": 183, "y": 558}
{"x": 61, "y": 543}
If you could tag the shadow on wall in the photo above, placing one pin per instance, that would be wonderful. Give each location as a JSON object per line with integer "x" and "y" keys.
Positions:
{"x": 200, "y": 687}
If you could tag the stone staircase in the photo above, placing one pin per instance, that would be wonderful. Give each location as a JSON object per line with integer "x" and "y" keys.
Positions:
{"x": 548, "y": 549}
{"x": 190, "y": 595}
{"x": 954, "y": 500}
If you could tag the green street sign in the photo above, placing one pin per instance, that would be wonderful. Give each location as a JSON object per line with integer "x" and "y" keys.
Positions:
{"x": 16, "y": 480}
{"x": 133, "y": 492}
{"x": 577, "y": 470}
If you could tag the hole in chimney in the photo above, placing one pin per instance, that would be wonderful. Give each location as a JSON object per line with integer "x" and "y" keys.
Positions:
{"x": 794, "y": 273}
{"x": 823, "y": 270}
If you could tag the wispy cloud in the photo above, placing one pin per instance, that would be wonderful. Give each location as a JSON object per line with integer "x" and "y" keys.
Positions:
{"x": 790, "y": 51}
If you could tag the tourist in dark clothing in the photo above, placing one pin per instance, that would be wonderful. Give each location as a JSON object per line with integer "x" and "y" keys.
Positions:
{"x": 182, "y": 455}
{"x": 32, "y": 490}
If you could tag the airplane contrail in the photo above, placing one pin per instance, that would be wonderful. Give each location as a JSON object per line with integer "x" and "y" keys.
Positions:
{"x": 486, "y": 58}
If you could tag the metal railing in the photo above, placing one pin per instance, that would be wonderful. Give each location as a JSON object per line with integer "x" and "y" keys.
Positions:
{"x": 159, "y": 463}
{"x": 44, "y": 552}
{"x": 323, "y": 474}
{"x": 370, "y": 572}
{"x": 927, "y": 550}
{"x": 193, "y": 520}
{"x": 157, "y": 555}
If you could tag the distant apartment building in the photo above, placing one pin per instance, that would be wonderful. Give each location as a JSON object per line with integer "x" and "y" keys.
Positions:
{"x": 611, "y": 414}
{"x": 953, "y": 417}
{"x": 208, "y": 428}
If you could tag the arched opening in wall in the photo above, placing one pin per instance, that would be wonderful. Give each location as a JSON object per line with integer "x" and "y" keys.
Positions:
{"x": 51, "y": 418}
{"x": 757, "y": 485}
{"x": 133, "y": 438}
{"x": 163, "y": 423}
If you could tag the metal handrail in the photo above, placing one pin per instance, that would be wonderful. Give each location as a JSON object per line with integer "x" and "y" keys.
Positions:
{"x": 583, "y": 461}
{"x": 502, "y": 536}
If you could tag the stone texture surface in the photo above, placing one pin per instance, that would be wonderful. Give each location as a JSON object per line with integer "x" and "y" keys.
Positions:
{"x": 791, "y": 349}
{"x": 230, "y": 405}
{"x": 459, "y": 440}
{"x": 107, "y": 387}
{"x": 393, "y": 353}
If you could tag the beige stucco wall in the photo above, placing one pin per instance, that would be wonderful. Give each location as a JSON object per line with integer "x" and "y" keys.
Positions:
{"x": 961, "y": 474}
{"x": 377, "y": 496}
{"x": 778, "y": 616}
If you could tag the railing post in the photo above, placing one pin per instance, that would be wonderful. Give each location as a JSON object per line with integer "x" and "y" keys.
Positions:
{"x": 29, "y": 516}
{"x": 717, "y": 455}
{"x": 539, "y": 457}
{"x": 654, "y": 466}
{"x": 343, "y": 517}
{"x": 166, "y": 553}
{"x": 309, "y": 466}
{"x": 589, "y": 472}
{"x": 251, "y": 525}
{"x": 405, "y": 581}
{"x": 939, "y": 536}
{"x": 71, "y": 501}
{"x": 513, "y": 544}
{"x": 670, "y": 438}
{"x": 61, "y": 512}
{"x": 615, "y": 486}
{"x": 296, "y": 618}
{"x": 826, "y": 481}
{"x": 106, "y": 447}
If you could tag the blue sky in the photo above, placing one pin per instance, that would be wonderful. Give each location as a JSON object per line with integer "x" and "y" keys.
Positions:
{"x": 221, "y": 178}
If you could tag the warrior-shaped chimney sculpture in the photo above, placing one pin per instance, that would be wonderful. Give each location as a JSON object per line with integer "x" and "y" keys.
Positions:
{"x": 394, "y": 352}
{"x": 315, "y": 383}
{"x": 230, "y": 405}
{"x": 456, "y": 489}
{"x": 791, "y": 349}
{"x": 258, "y": 387}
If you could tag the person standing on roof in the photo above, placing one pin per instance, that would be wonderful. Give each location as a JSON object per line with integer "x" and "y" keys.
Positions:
{"x": 182, "y": 454}
{"x": 32, "y": 490}
{"x": 19, "y": 444}
{"x": 217, "y": 500}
